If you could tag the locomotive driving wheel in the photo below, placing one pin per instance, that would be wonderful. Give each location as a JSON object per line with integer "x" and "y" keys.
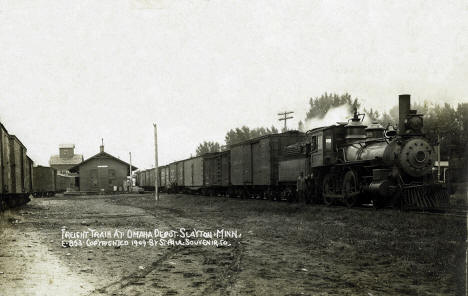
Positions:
{"x": 328, "y": 189}
{"x": 350, "y": 188}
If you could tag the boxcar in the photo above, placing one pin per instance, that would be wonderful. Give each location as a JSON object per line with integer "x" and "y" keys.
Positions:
{"x": 148, "y": 183}
{"x": 172, "y": 175}
{"x": 254, "y": 163}
{"x": 159, "y": 179}
{"x": 6, "y": 181}
{"x": 18, "y": 163}
{"x": 15, "y": 171}
{"x": 147, "y": 179}
{"x": 180, "y": 175}
{"x": 137, "y": 178}
{"x": 216, "y": 172}
{"x": 45, "y": 181}
{"x": 193, "y": 173}
{"x": 142, "y": 182}
{"x": 164, "y": 176}
{"x": 28, "y": 174}
{"x": 151, "y": 178}
{"x": 143, "y": 179}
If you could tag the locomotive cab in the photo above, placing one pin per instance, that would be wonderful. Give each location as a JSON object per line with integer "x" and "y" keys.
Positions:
{"x": 324, "y": 143}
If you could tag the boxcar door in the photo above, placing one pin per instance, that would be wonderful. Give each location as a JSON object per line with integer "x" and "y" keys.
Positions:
{"x": 225, "y": 169}
{"x": 261, "y": 162}
{"x": 247, "y": 163}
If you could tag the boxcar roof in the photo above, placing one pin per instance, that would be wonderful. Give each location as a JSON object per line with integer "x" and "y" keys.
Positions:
{"x": 16, "y": 138}
{"x": 323, "y": 128}
{"x": 43, "y": 166}
{"x": 3, "y": 127}
{"x": 214, "y": 154}
{"x": 190, "y": 158}
{"x": 285, "y": 134}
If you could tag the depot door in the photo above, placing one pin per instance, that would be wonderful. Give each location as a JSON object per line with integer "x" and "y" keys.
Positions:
{"x": 103, "y": 177}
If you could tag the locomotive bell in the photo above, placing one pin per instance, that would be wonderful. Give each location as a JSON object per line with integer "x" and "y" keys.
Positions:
{"x": 390, "y": 132}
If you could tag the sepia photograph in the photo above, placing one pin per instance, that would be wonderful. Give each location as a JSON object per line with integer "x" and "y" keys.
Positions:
{"x": 207, "y": 147}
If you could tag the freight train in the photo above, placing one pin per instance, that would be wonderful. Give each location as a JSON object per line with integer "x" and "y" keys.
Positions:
{"x": 348, "y": 163}
{"x": 47, "y": 182}
{"x": 19, "y": 179}
{"x": 15, "y": 171}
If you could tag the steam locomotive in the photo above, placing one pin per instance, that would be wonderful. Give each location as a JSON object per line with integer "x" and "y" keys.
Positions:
{"x": 348, "y": 163}
{"x": 354, "y": 163}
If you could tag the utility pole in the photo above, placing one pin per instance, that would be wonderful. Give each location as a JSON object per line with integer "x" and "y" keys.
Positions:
{"x": 438, "y": 155}
{"x": 156, "y": 195}
{"x": 285, "y": 117}
{"x": 131, "y": 178}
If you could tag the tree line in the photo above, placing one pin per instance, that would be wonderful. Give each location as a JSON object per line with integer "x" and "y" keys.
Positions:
{"x": 234, "y": 136}
{"x": 445, "y": 123}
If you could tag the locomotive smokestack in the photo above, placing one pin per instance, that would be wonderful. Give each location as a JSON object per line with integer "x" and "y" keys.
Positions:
{"x": 404, "y": 107}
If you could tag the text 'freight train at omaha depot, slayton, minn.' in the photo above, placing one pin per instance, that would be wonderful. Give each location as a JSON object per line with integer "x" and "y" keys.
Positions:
{"x": 346, "y": 163}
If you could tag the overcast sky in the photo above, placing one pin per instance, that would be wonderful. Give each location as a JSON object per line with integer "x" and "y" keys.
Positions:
{"x": 79, "y": 71}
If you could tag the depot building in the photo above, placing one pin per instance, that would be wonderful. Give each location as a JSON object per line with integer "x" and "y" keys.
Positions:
{"x": 102, "y": 173}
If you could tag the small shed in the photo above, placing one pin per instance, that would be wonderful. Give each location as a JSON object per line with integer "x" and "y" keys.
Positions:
{"x": 102, "y": 173}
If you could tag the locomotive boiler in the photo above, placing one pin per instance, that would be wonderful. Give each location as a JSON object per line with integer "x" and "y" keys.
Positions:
{"x": 352, "y": 163}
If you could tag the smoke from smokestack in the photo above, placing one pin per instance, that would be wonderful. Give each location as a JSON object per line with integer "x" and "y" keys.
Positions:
{"x": 337, "y": 114}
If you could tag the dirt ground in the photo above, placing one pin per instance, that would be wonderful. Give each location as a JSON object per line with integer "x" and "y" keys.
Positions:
{"x": 280, "y": 249}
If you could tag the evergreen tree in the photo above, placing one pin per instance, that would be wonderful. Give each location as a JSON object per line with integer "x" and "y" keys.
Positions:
{"x": 208, "y": 147}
